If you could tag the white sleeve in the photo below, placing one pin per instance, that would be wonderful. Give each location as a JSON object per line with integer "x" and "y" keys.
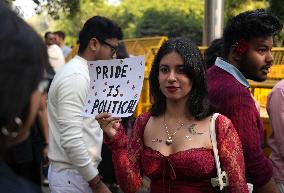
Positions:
{"x": 71, "y": 94}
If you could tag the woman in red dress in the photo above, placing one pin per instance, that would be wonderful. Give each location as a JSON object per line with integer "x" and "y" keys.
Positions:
{"x": 171, "y": 143}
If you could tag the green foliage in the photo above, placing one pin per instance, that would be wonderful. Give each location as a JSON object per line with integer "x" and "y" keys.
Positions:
{"x": 276, "y": 7}
{"x": 133, "y": 13}
{"x": 234, "y": 7}
{"x": 144, "y": 18}
{"x": 72, "y": 22}
{"x": 171, "y": 23}
{"x": 55, "y": 7}
{"x": 40, "y": 23}
{"x": 128, "y": 14}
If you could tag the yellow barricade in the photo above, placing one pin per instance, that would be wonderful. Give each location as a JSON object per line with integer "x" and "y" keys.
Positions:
{"x": 278, "y": 55}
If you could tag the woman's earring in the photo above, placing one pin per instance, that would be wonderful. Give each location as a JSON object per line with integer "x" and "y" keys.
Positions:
{"x": 13, "y": 134}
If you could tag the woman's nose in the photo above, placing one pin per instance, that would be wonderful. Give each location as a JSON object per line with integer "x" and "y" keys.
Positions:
{"x": 172, "y": 76}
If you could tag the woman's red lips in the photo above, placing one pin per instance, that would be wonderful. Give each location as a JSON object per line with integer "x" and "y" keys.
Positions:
{"x": 171, "y": 88}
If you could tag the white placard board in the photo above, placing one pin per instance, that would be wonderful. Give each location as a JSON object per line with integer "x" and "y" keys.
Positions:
{"x": 115, "y": 86}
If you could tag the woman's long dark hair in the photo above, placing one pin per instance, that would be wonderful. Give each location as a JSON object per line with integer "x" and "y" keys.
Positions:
{"x": 23, "y": 56}
{"x": 198, "y": 103}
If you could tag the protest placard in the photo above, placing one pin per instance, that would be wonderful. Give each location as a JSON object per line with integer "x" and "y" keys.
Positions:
{"x": 115, "y": 86}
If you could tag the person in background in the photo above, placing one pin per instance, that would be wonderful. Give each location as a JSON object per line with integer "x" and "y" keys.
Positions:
{"x": 74, "y": 141}
{"x": 213, "y": 51}
{"x": 59, "y": 40}
{"x": 247, "y": 44}
{"x": 56, "y": 57}
{"x": 275, "y": 109}
{"x": 171, "y": 144}
{"x": 22, "y": 61}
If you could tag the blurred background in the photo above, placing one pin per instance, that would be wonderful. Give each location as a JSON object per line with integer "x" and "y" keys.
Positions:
{"x": 139, "y": 18}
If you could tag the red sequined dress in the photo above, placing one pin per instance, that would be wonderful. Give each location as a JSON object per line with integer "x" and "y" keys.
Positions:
{"x": 187, "y": 171}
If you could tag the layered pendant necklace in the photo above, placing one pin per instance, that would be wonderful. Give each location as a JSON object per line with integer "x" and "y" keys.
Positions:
{"x": 169, "y": 139}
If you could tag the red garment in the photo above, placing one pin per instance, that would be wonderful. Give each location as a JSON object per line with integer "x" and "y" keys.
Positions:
{"x": 233, "y": 100}
{"x": 182, "y": 172}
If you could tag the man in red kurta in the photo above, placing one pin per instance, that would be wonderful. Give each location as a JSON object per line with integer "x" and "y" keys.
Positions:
{"x": 248, "y": 39}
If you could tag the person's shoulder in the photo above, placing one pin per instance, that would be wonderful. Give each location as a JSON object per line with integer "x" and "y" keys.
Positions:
{"x": 224, "y": 84}
{"x": 279, "y": 85}
{"x": 68, "y": 48}
{"x": 72, "y": 74}
{"x": 214, "y": 69}
{"x": 277, "y": 93}
{"x": 74, "y": 66}
{"x": 140, "y": 123}
{"x": 223, "y": 124}
{"x": 223, "y": 119}
{"x": 55, "y": 47}
{"x": 144, "y": 116}
{"x": 220, "y": 76}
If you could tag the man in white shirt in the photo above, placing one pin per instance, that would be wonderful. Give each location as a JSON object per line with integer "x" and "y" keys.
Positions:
{"x": 55, "y": 54}
{"x": 74, "y": 141}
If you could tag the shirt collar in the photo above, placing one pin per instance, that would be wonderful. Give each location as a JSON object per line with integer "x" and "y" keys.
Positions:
{"x": 232, "y": 70}
{"x": 81, "y": 59}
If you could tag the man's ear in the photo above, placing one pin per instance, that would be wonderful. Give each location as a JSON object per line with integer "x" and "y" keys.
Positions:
{"x": 94, "y": 44}
{"x": 235, "y": 55}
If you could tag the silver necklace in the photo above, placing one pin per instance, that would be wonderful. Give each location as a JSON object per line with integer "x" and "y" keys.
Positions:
{"x": 169, "y": 139}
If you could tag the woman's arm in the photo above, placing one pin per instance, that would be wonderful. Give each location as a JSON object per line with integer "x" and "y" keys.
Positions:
{"x": 126, "y": 155}
{"x": 231, "y": 154}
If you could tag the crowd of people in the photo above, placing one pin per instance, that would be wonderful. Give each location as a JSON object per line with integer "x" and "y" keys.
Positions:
{"x": 42, "y": 99}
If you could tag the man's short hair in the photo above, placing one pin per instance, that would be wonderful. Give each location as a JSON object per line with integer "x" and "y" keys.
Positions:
{"x": 248, "y": 25}
{"x": 60, "y": 34}
{"x": 47, "y": 33}
{"x": 98, "y": 27}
